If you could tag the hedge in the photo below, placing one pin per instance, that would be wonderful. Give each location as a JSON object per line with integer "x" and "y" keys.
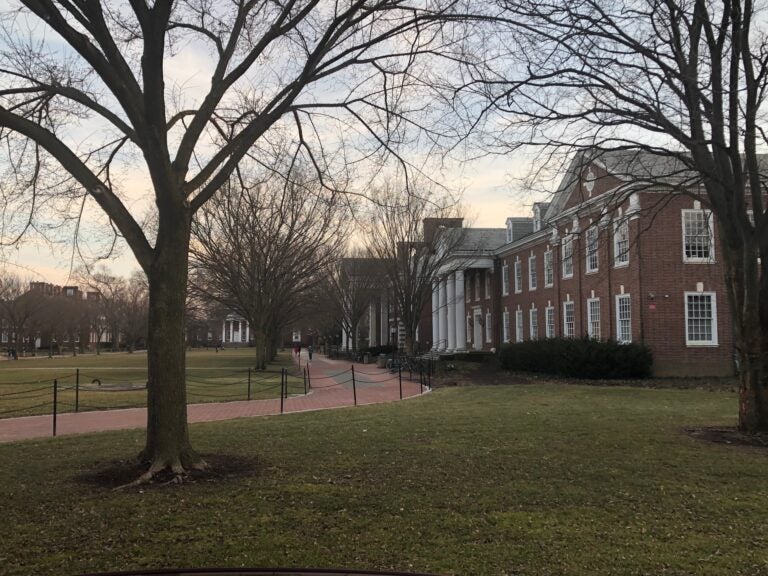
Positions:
{"x": 578, "y": 358}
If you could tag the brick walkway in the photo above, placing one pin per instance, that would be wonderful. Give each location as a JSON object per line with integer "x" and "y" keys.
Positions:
{"x": 331, "y": 382}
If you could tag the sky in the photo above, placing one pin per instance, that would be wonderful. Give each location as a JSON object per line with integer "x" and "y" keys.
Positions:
{"x": 489, "y": 197}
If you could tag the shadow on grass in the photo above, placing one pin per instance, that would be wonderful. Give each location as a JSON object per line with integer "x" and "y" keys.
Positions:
{"x": 117, "y": 473}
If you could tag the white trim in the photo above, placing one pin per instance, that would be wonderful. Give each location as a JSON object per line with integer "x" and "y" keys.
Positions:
{"x": 619, "y": 299}
{"x": 711, "y": 243}
{"x": 713, "y": 325}
{"x": 567, "y": 243}
{"x": 533, "y": 323}
{"x": 549, "y": 279}
{"x": 617, "y": 262}
{"x": 591, "y": 249}
{"x": 566, "y": 333}
{"x": 533, "y": 277}
{"x": 550, "y": 331}
{"x": 505, "y": 279}
{"x": 519, "y": 326}
{"x": 518, "y": 276}
{"x": 592, "y": 331}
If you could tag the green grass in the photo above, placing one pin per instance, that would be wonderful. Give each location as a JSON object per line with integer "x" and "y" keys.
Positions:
{"x": 536, "y": 479}
{"x": 106, "y": 380}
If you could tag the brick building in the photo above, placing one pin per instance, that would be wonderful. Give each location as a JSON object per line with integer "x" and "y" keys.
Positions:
{"x": 625, "y": 250}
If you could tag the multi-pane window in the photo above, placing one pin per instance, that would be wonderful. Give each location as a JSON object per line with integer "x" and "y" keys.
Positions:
{"x": 568, "y": 257}
{"x": 698, "y": 245}
{"x": 620, "y": 243}
{"x": 487, "y": 285}
{"x": 488, "y": 328}
{"x": 569, "y": 320}
{"x": 518, "y": 276}
{"x": 549, "y": 317}
{"x": 506, "y": 325}
{"x": 505, "y": 280}
{"x": 469, "y": 328}
{"x": 549, "y": 272}
{"x": 593, "y": 318}
{"x": 477, "y": 285}
{"x": 623, "y": 318}
{"x": 518, "y": 325}
{"x": 533, "y": 279}
{"x": 533, "y": 323}
{"x": 591, "y": 249}
{"x": 700, "y": 318}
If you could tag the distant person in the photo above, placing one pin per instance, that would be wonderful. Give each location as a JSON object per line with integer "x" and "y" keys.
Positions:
{"x": 309, "y": 351}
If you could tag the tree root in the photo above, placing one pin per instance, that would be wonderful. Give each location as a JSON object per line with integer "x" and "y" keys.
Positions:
{"x": 159, "y": 465}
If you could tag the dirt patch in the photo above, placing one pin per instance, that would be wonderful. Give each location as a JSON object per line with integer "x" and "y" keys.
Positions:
{"x": 220, "y": 467}
{"x": 730, "y": 436}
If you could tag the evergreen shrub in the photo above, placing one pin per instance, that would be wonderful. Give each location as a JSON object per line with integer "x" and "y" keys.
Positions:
{"x": 578, "y": 358}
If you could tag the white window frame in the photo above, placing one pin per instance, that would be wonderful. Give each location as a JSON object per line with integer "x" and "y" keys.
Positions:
{"x": 593, "y": 318}
{"x": 623, "y": 323}
{"x": 519, "y": 326}
{"x": 711, "y": 242}
{"x": 487, "y": 284}
{"x": 469, "y": 328}
{"x": 569, "y": 309}
{"x": 533, "y": 323}
{"x": 505, "y": 325}
{"x": 477, "y": 285}
{"x": 505, "y": 280}
{"x": 533, "y": 278}
{"x": 591, "y": 247}
{"x": 518, "y": 276}
{"x": 713, "y": 307}
{"x": 488, "y": 327}
{"x": 620, "y": 235}
{"x": 567, "y": 252}
{"x": 549, "y": 269}
{"x": 549, "y": 319}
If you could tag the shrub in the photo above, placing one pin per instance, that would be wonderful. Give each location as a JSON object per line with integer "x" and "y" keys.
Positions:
{"x": 578, "y": 358}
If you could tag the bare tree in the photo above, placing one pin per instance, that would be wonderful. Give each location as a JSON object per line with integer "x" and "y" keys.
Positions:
{"x": 259, "y": 250}
{"x": 88, "y": 87}
{"x": 684, "y": 81}
{"x": 350, "y": 285}
{"x": 415, "y": 236}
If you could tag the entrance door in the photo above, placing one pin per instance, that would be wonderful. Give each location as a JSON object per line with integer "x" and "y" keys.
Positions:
{"x": 478, "y": 330}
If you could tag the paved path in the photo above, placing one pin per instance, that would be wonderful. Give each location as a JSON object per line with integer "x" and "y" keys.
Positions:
{"x": 331, "y": 382}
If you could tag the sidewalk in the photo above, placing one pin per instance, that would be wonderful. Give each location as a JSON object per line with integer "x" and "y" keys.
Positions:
{"x": 331, "y": 387}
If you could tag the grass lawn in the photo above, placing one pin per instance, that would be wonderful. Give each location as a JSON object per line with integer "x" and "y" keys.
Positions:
{"x": 106, "y": 380}
{"x": 530, "y": 479}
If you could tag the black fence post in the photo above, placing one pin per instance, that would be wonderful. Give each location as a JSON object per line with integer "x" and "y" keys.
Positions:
{"x": 249, "y": 383}
{"x": 309, "y": 379}
{"x": 77, "y": 389}
{"x": 400, "y": 380}
{"x": 354, "y": 386}
{"x": 283, "y": 390}
{"x": 55, "y": 403}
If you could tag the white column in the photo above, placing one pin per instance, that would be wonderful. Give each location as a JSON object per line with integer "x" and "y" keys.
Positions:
{"x": 461, "y": 320}
{"x": 435, "y": 314}
{"x": 451, "y": 300}
{"x": 247, "y": 332}
{"x": 443, "y": 315}
{"x": 344, "y": 343}
{"x": 223, "y": 330}
{"x": 372, "y": 325}
{"x": 384, "y": 324}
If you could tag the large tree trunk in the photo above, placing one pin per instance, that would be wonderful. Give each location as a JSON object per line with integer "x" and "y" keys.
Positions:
{"x": 747, "y": 288}
{"x": 168, "y": 443}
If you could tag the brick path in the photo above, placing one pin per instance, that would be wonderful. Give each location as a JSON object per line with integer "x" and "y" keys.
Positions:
{"x": 331, "y": 382}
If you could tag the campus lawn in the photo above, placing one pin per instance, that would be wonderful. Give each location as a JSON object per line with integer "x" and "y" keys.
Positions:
{"x": 117, "y": 380}
{"x": 529, "y": 479}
